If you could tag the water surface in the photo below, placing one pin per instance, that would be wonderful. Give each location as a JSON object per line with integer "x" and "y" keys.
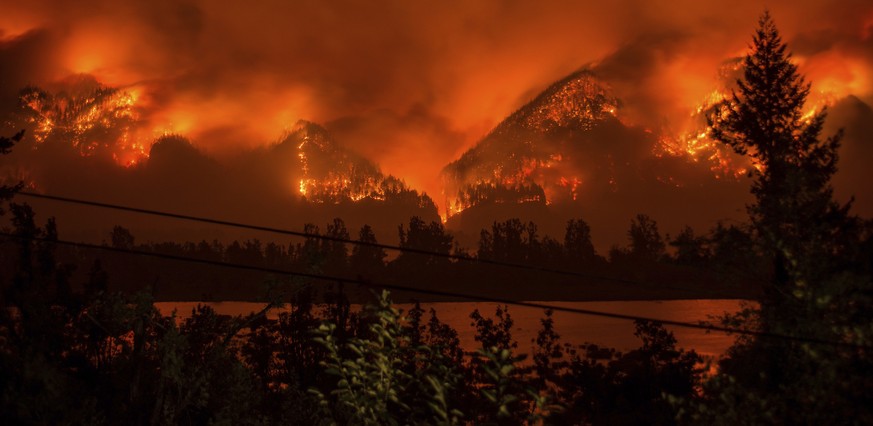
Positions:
{"x": 573, "y": 328}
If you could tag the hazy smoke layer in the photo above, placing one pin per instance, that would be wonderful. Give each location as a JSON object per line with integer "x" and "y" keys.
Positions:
{"x": 411, "y": 85}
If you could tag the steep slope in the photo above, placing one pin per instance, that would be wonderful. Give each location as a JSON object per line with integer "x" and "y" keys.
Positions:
{"x": 571, "y": 152}
{"x": 517, "y": 161}
{"x": 327, "y": 173}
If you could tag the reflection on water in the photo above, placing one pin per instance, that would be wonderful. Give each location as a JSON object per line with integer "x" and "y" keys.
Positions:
{"x": 573, "y": 328}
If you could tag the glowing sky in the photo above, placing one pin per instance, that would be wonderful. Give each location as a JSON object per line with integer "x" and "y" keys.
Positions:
{"x": 408, "y": 84}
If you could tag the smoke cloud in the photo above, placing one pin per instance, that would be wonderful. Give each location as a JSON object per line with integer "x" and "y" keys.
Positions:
{"x": 409, "y": 85}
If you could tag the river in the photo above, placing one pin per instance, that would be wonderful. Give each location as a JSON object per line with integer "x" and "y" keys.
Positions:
{"x": 573, "y": 328}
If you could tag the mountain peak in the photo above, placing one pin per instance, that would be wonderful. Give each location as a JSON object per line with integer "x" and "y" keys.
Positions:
{"x": 519, "y": 160}
{"x": 577, "y": 101}
{"x": 307, "y": 127}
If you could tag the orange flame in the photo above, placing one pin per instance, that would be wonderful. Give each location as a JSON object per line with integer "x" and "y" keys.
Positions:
{"x": 103, "y": 120}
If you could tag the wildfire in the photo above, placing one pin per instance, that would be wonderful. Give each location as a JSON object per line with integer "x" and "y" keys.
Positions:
{"x": 305, "y": 183}
{"x": 89, "y": 117}
{"x": 696, "y": 144}
{"x": 572, "y": 184}
{"x": 809, "y": 115}
{"x": 580, "y": 101}
{"x": 523, "y": 160}
{"x": 698, "y": 147}
{"x": 330, "y": 174}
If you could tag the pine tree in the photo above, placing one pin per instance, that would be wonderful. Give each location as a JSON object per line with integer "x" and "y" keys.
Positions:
{"x": 816, "y": 289}
{"x": 794, "y": 214}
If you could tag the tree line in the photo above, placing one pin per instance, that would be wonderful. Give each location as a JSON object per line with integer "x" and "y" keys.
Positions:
{"x": 705, "y": 264}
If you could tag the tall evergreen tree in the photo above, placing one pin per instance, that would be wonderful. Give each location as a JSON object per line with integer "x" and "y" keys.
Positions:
{"x": 794, "y": 216}
{"x": 815, "y": 290}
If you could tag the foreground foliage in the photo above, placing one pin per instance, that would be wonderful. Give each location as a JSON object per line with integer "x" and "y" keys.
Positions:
{"x": 315, "y": 364}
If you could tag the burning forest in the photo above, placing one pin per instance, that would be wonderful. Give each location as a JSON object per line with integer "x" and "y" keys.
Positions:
{"x": 646, "y": 165}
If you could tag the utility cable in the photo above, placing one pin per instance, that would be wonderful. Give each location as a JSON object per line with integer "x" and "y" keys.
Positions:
{"x": 342, "y": 240}
{"x": 430, "y": 292}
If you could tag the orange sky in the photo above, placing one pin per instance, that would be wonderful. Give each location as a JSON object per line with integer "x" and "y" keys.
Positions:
{"x": 410, "y": 85}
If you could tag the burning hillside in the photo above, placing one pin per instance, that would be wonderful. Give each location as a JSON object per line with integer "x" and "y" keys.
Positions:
{"x": 572, "y": 140}
{"x": 91, "y": 118}
{"x": 516, "y": 161}
{"x": 693, "y": 140}
{"x": 329, "y": 173}
{"x": 80, "y": 116}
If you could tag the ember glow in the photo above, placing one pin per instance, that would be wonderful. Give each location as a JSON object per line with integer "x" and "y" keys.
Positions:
{"x": 413, "y": 87}
{"x": 92, "y": 118}
{"x": 695, "y": 143}
{"x": 328, "y": 174}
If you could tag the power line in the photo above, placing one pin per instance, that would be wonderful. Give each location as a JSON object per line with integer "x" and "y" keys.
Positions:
{"x": 430, "y": 292}
{"x": 341, "y": 240}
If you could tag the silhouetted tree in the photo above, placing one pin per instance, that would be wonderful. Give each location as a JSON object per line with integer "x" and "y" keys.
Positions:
{"x": 510, "y": 241}
{"x": 602, "y": 386}
{"x": 794, "y": 214}
{"x": 813, "y": 290}
{"x": 308, "y": 254}
{"x": 550, "y": 253}
{"x": 121, "y": 238}
{"x": 645, "y": 240}
{"x": 276, "y": 256}
{"x": 36, "y": 310}
{"x": 336, "y": 253}
{"x": 577, "y": 242}
{"x": 421, "y": 236}
{"x": 690, "y": 249}
{"x": 367, "y": 259}
{"x": 735, "y": 256}
{"x": 7, "y": 191}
